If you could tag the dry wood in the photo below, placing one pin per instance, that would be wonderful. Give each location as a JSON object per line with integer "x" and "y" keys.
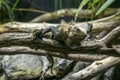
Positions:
{"x": 98, "y": 25}
{"x": 26, "y": 39}
{"x": 19, "y": 40}
{"x": 71, "y": 12}
{"x": 95, "y": 68}
{"x": 22, "y": 38}
{"x": 12, "y": 50}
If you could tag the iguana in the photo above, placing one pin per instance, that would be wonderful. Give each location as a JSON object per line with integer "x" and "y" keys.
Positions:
{"x": 67, "y": 33}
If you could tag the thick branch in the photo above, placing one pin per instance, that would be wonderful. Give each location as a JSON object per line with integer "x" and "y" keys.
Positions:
{"x": 98, "y": 25}
{"x": 108, "y": 39}
{"x": 95, "y": 68}
{"x": 26, "y": 39}
{"x": 71, "y": 56}
{"x": 61, "y": 13}
{"x": 70, "y": 12}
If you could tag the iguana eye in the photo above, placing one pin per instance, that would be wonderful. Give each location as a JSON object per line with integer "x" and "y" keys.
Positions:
{"x": 76, "y": 29}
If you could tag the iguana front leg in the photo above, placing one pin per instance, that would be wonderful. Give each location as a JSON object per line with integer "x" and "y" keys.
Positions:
{"x": 71, "y": 44}
{"x": 47, "y": 66}
{"x": 52, "y": 29}
{"x": 89, "y": 35}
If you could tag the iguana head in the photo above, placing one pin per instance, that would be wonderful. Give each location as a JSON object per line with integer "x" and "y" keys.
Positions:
{"x": 75, "y": 33}
{"x": 79, "y": 31}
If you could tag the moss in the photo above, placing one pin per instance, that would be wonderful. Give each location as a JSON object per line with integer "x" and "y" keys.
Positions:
{"x": 3, "y": 77}
{"x": 26, "y": 73}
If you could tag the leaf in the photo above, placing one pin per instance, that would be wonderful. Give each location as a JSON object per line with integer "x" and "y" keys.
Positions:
{"x": 56, "y": 4}
{"x": 15, "y": 4}
{"x": 83, "y": 3}
{"x": 94, "y": 3}
{"x": 104, "y": 6}
{"x": 11, "y": 15}
{"x": 60, "y": 1}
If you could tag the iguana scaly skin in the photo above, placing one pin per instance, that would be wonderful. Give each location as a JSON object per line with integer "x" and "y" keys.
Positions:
{"x": 68, "y": 33}
{"x": 65, "y": 33}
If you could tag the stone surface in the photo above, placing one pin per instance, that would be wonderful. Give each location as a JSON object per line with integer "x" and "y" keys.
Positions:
{"x": 24, "y": 65}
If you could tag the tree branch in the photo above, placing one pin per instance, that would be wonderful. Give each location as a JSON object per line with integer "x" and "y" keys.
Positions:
{"x": 71, "y": 12}
{"x": 12, "y": 50}
{"x": 20, "y": 34}
{"x": 98, "y": 25}
{"x": 26, "y": 39}
{"x": 108, "y": 39}
{"x": 95, "y": 68}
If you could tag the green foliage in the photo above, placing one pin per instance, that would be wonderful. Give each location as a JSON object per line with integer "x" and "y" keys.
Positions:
{"x": 101, "y": 5}
{"x": 104, "y": 6}
{"x": 83, "y": 3}
{"x": 6, "y": 9}
{"x": 58, "y": 4}
{"x": 15, "y": 4}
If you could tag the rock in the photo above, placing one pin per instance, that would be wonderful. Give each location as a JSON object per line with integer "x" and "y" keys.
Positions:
{"x": 23, "y": 66}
